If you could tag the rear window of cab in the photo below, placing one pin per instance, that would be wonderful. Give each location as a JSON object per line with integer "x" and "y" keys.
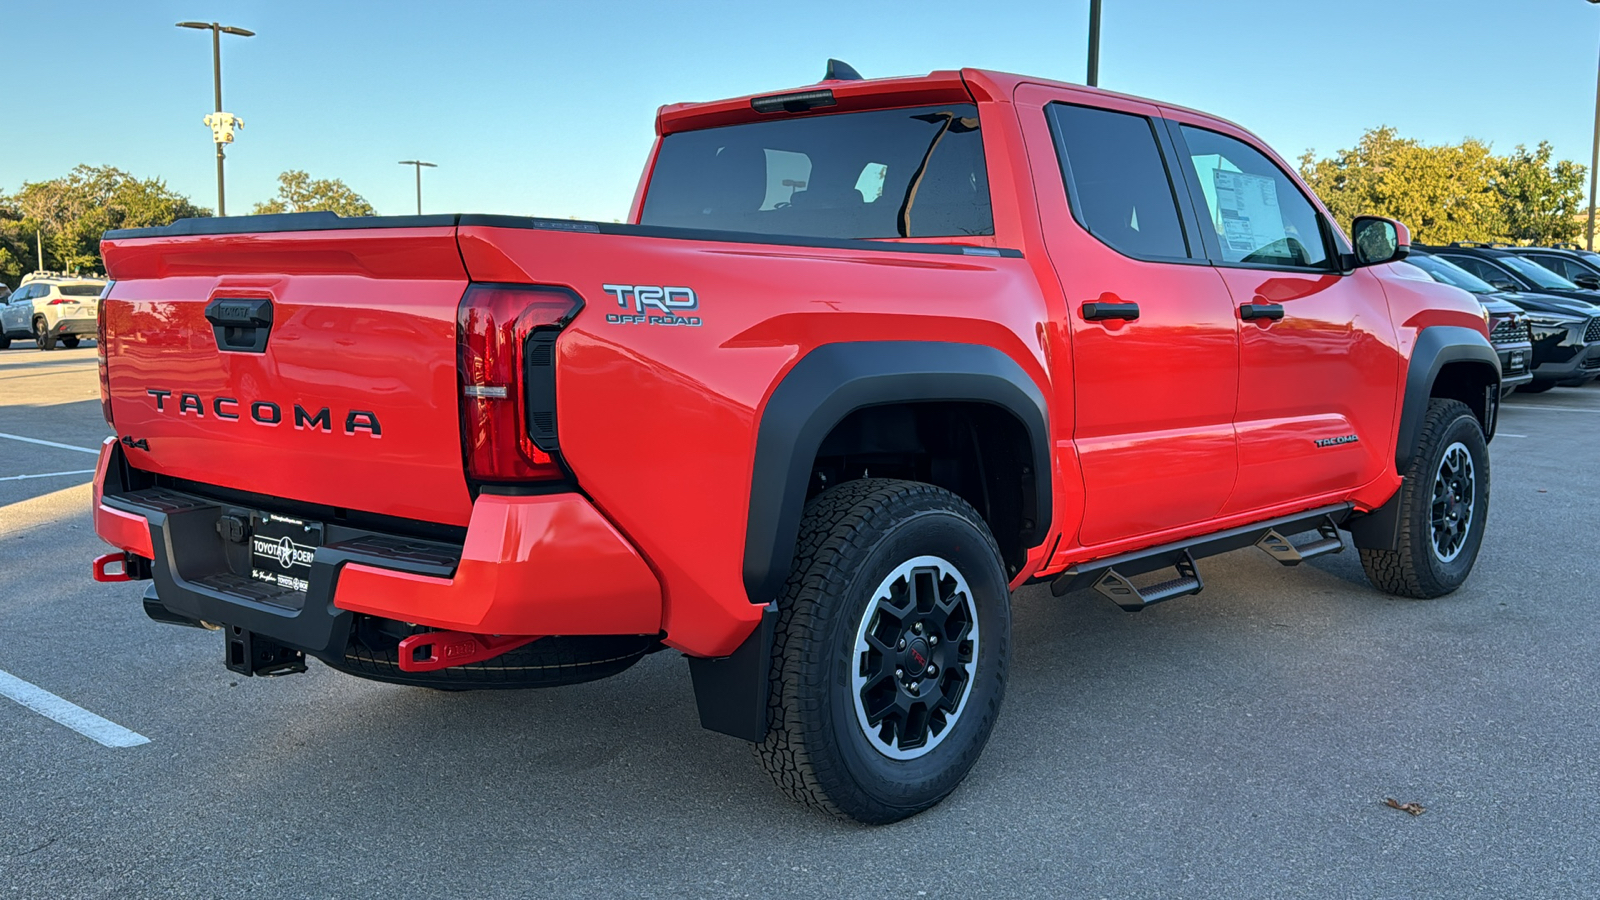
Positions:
{"x": 881, "y": 174}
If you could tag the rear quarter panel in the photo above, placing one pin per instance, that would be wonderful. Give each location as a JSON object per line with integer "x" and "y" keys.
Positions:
{"x": 659, "y": 423}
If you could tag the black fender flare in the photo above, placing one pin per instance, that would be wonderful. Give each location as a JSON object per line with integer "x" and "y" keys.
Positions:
{"x": 1436, "y": 347}
{"x": 834, "y": 380}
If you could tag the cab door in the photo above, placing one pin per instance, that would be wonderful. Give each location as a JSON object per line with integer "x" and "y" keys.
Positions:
{"x": 1154, "y": 366}
{"x": 1318, "y": 373}
{"x": 15, "y": 313}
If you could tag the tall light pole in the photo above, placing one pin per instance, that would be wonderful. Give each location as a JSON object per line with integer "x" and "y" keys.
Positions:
{"x": 1594, "y": 156}
{"x": 217, "y": 31}
{"x": 1094, "y": 42}
{"x": 419, "y": 164}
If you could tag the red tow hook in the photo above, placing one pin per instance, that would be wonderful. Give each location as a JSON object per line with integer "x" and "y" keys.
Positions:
{"x": 102, "y": 567}
{"x": 435, "y": 650}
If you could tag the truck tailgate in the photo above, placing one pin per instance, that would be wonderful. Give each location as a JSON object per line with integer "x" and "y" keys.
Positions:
{"x": 350, "y": 400}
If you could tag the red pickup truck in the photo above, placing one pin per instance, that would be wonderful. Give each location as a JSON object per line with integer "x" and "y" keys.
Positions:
{"x": 868, "y": 356}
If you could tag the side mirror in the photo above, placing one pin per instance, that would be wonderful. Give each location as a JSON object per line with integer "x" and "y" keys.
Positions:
{"x": 1588, "y": 281}
{"x": 1379, "y": 240}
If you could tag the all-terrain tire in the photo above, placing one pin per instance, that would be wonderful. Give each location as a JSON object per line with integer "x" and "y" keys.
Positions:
{"x": 854, "y": 541}
{"x": 1419, "y": 568}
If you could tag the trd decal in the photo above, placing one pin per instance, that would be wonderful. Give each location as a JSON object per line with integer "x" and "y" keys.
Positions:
{"x": 668, "y": 302}
{"x": 1336, "y": 441}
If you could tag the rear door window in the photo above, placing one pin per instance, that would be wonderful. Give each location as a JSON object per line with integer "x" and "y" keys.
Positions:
{"x": 1483, "y": 269}
{"x": 1260, "y": 216}
{"x": 80, "y": 290}
{"x": 880, "y": 174}
{"x": 1117, "y": 182}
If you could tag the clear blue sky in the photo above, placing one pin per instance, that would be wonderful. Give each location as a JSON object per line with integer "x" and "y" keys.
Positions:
{"x": 546, "y": 107}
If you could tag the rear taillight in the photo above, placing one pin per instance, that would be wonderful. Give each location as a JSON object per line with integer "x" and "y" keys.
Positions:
{"x": 100, "y": 356}
{"x": 496, "y": 325}
{"x": 60, "y": 300}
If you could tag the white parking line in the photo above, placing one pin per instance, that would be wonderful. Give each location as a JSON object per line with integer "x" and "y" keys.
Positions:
{"x": 69, "y": 714}
{"x": 1496, "y": 434}
{"x": 47, "y": 475}
{"x": 1553, "y": 408}
{"x": 29, "y": 440}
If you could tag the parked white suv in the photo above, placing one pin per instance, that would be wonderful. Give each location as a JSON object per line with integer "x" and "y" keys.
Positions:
{"x": 51, "y": 307}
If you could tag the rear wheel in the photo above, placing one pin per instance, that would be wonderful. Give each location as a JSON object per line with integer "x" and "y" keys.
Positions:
{"x": 69, "y": 341}
{"x": 42, "y": 335}
{"x": 1444, "y": 504}
{"x": 889, "y": 663}
{"x": 5, "y": 342}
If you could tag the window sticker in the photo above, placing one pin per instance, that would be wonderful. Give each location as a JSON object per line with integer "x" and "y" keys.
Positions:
{"x": 1248, "y": 207}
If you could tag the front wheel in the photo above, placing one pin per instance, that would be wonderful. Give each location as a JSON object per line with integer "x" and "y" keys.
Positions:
{"x": 889, "y": 663}
{"x": 1444, "y": 503}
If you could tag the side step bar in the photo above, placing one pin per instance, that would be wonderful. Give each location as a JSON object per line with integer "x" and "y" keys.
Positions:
{"x": 1112, "y": 576}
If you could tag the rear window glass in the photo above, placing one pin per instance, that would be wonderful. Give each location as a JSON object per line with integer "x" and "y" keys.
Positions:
{"x": 81, "y": 290}
{"x": 882, "y": 174}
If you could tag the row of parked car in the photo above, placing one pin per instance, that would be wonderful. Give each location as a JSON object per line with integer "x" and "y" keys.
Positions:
{"x": 50, "y": 308}
{"x": 1543, "y": 305}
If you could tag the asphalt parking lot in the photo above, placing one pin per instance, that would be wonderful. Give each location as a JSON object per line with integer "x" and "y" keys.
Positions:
{"x": 1236, "y": 744}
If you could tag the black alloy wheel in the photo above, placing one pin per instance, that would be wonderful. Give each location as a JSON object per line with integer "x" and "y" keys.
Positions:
{"x": 1454, "y": 501}
{"x": 889, "y": 659}
{"x": 917, "y": 652}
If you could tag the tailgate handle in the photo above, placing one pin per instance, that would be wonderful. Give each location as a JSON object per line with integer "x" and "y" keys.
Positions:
{"x": 241, "y": 324}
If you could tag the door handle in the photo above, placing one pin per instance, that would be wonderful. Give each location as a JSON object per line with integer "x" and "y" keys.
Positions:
{"x": 1250, "y": 311}
{"x": 1099, "y": 311}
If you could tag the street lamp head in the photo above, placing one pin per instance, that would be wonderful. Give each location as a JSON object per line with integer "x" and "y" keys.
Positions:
{"x": 206, "y": 25}
{"x": 418, "y": 162}
{"x": 242, "y": 32}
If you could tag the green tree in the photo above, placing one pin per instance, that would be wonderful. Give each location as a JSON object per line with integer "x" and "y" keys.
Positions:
{"x": 1451, "y": 192}
{"x": 75, "y": 210}
{"x": 1443, "y": 193}
{"x": 297, "y": 192}
{"x": 1540, "y": 200}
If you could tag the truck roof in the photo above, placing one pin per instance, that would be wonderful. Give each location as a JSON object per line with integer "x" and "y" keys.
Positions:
{"x": 942, "y": 86}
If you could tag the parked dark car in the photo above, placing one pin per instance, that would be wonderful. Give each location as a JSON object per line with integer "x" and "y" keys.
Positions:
{"x": 1564, "y": 332}
{"x": 1509, "y": 271}
{"x": 1581, "y": 267}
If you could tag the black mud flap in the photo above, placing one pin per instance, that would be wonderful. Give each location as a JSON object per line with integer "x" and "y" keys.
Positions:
{"x": 731, "y": 691}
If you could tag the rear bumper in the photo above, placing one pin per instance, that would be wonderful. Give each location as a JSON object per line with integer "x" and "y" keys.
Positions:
{"x": 529, "y": 565}
{"x": 81, "y": 327}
